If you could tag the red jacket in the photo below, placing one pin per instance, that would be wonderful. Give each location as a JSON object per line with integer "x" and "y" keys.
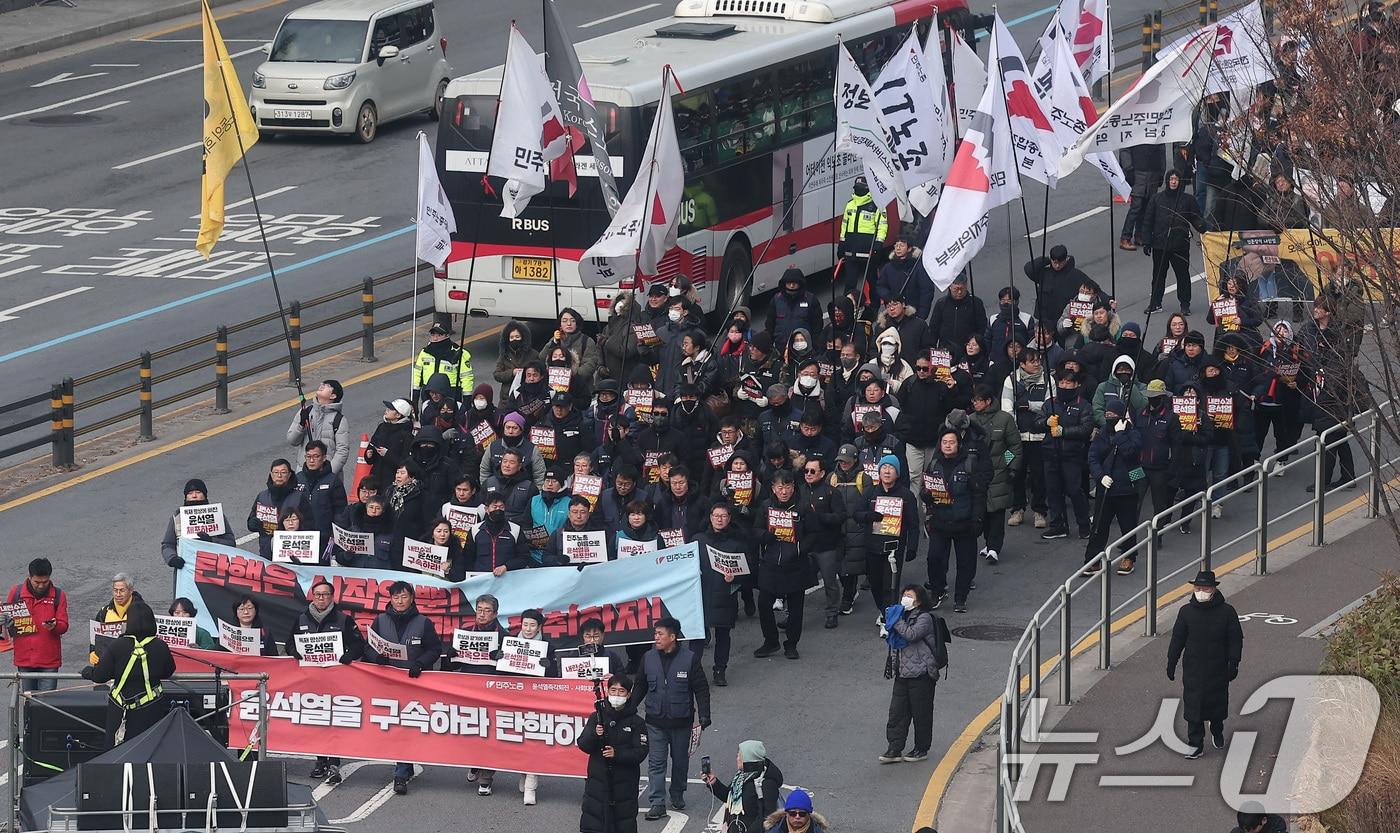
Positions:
{"x": 35, "y": 645}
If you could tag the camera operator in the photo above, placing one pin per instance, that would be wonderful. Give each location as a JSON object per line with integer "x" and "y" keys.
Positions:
{"x": 615, "y": 740}
{"x": 592, "y": 646}
{"x": 752, "y": 794}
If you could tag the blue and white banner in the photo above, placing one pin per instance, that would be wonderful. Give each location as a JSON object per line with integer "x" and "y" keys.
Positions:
{"x": 628, "y": 595}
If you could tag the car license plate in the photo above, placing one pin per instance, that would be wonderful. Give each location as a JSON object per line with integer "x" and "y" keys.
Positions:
{"x": 292, "y": 114}
{"x": 532, "y": 269}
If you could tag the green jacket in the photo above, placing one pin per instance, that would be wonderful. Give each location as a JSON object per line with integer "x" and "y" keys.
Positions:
{"x": 1134, "y": 395}
{"x": 1001, "y": 436}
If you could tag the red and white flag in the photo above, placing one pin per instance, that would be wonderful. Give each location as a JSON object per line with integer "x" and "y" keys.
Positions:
{"x": 1037, "y": 149}
{"x": 983, "y": 177}
{"x": 530, "y": 133}
{"x": 1092, "y": 41}
{"x": 644, "y": 227}
{"x": 1157, "y": 109}
{"x": 1072, "y": 111}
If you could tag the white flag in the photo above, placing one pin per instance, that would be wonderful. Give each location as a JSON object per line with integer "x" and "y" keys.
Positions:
{"x": 529, "y": 130}
{"x": 434, "y": 219}
{"x": 1157, "y": 109}
{"x": 983, "y": 177}
{"x": 1242, "y": 53}
{"x": 1072, "y": 111}
{"x": 644, "y": 227}
{"x": 1037, "y": 150}
{"x": 1092, "y": 41}
{"x": 913, "y": 100}
{"x": 861, "y": 130}
{"x": 969, "y": 81}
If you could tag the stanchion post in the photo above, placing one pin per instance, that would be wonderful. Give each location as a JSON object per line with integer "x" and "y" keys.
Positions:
{"x": 294, "y": 336}
{"x": 367, "y": 321}
{"x": 1373, "y": 494}
{"x": 69, "y": 445}
{"x": 56, "y": 425}
{"x": 221, "y": 370}
{"x": 1319, "y": 490}
{"x": 147, "y": 411}
{"x": 1146, "y": 42}
{"x": 1156, "y": 34}
{"x": 1261, "y": 531}
{"x": 262, "y": 717}
{"x": 1149, "y": 621}
{"x": 1066, "y": 644}
{"x": 1106, "y": 610}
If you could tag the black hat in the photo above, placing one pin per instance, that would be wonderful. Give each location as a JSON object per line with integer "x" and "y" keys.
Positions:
{"x": 1195, "y": 337}
{"x": 609, "y": 385}
{"x": 1206, "y": 578}
{"x": 658, "y": 290}
{"x": 762, "y": 342}
{"x": 195, "y": 485}
{"x": 1058, "y": 252}
{"x": 561, "y": 399}
{"x": 438, "y": 330}
{"x": 554, "y": 473}
{"x": 687, "y": 389}
{"x": 1098, "y": 332}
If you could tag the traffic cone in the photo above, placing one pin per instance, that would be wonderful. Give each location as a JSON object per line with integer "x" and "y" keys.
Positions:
{"x": 362, "y": 468}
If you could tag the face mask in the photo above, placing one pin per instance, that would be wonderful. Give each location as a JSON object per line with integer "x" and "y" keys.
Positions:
{"x": 674, "y": 315}
{"x": 558, "y": 363}
{"x": 735, "y": 338}
{"x": 887, "y": 350}
{"x": 807, "y": 383}
{"x": 849, "y": 363}
{"x": 616, "y": 701}
{"x": 1006, "y": 309}
{"x": 799, "y": 346}
{"x": 495, "y": 516}
{"x": 673, "y": 292}
{"x": 515, "y": 340}
{"x": 908, "y": 602}
{"x": 1068, "y": 394}
{"x": 660, "y": 422}
{"x": 1126, "y": 377}
{"x": 1203, "y": 596}
{"x": 479, "y": 403}
{"x": 689, "y": 405}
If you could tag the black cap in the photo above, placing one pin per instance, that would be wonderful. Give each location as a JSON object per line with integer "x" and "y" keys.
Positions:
{"x": 561, "y": 400}
{"x": 438, "y": 330}
{"x": 658, "y": 290}
{"x": 1058, "y": 252}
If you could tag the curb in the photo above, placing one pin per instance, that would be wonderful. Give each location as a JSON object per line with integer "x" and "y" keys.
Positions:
{"x": 99, "y": 30}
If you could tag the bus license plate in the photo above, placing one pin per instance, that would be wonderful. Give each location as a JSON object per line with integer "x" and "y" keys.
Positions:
{"x": 532, "y": 269}
{"x": 299, "y": 115}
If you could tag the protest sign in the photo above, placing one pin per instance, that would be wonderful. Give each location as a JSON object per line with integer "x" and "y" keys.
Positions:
{"x": 104, "y": 630}
{"x": 176, "y": 631}
{"x": 588, "y": 486}
{"x": 522, "y": 656}
{"x": 355, "y": 543}
{"x": 474, "y": 647}
{"x": 1227, "y": 313}
{"x": 542, "y": 438}
{"x": 425, "y": 557}
{"x": 672, "y": 537}
{"x": 1185, "y": 409}
{"x": 627, "y": 548}
{"x": 267, "y": 516}
{"x": 320, "y": 649}
{"x": 891, "y": 511}
{"x": 583, "y": 668}
{"x": 296, "y": 547}
{"x": 585, "y": 547}
{"x": 942, "y": 361}
{"x": 17, "y": 615}
{"x": 385, "y": 648}
{"x": 204, "y": 519}
{"x": 937, "y": 487}
{"x": 740, "y": 485}
{"x": 560, "y": 378}
{"x": 719, "y": 455}
{"x": 1222, "y": 410}
{"x": 646, "y": 335}
{"x": 783, "y": 524}
{"x": 728, "y": 563}
{"x": 483, "y": 434}
{"x": 240, "y": 640}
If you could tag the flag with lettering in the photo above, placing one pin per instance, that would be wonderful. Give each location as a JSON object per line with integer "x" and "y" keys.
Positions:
{"x": 529, "y": 133}
{"x": 576, "y": 105}
{"x": 1072, "y": 111}
{"x": 1037, "y": 149}
{"x": 435, "y": 223}
{"x": 861, "y": 130}
{"x": 969, "y": 82}
{"x": 229, "y": 130}
{"x": 913, "y": 100}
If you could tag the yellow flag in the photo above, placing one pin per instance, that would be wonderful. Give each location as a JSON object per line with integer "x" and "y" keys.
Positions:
{"x": 228, "y": 131}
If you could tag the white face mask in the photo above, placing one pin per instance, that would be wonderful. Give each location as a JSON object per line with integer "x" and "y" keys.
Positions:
{"x": 673, "y": 292}
{"x": 908, "y": 602}
{"x": 674, "y": 315}
{"x": 616, "y": 701}
{"x": 807, "y": 383}
{"x": 887, "y": 349}
{"x": 799, "y": 346}
{"x": 1203, "y": 596}
{"x": 479, "y": 403}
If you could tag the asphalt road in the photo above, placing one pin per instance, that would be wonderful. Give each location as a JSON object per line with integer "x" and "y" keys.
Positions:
{"x": 822, "y": 717}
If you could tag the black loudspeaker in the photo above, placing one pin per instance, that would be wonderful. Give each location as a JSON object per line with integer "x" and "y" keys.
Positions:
{"x": 235, "y": 786}
{"x": 109, "y": 789}
{"x": 205, "y": 701}
{"x": 54, "y": 741}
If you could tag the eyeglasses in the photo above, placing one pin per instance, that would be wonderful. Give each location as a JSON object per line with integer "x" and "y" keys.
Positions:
{"x": 797, "y": 814}
{"x": 812, "y": 471}
{"x": 922, "y": 368}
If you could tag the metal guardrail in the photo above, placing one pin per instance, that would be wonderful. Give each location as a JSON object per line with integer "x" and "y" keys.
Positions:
{"x": 214, "y": 355}
{"x": 1022, "y": 698}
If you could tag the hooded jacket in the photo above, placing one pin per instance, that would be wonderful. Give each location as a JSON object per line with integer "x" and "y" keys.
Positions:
{"x": 1025, "y": 395}
{"x": 586, "y": 354}
{"x": 619, "y": 342}
{"x": 721, "y": 597}
{"x": 1168, "y": 219}
{"x": 1054, "y": 289}
{"x": 1116, "y": 454}
{"x": 895, "y": 369}
{"x": 790, "y": 310}
{"x": 1002, "y": 437}
{"x": 1133, "y": 394}
{"x": 385, "y": 546}
{"x": 954, "y": 320}
{"x": 905, "y": 277}
{"x": 395, "y": 438}
{"x": 955, "y": 507}
{"x": 915, "y": 338}
{"x": 511, "y": 359}
{"x": 850, "y": 331}
{"x": 610, "y": 790}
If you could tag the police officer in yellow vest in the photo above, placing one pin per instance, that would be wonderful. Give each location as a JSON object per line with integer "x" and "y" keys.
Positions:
{"x": 138, "y": 662}
{"x": 863, "y": 232}
{"x": 440, "y": 355}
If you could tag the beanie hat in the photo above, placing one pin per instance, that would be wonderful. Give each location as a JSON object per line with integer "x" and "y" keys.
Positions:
{"x": 891, "y": 460}
{"x": 793, "y": 274}
{"x": 762, "y": 342}
{"x": 752, "y": 751}
{"x": 956, "y": 419}
{"x": 337, "y": 390}
{"x": 799, "y": 799}
{"x": 1058, "y": 252}
{"x": 1195, "y": 337}
{"x": 515, "y": 417}
{"x": 1132, "y": 327}
{"x": 194, "y": 484}
{"x": 1114, "y": 405}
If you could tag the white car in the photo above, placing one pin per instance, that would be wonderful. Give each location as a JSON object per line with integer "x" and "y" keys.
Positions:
{"x": 348, "y": 66}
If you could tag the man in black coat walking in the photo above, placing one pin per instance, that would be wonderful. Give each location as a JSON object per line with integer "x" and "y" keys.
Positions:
{"x": 1209, "y": 631}
{"x": 615, "y": 740}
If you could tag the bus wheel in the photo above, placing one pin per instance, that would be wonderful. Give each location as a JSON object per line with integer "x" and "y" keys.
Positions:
{"x": 733, "y": 282}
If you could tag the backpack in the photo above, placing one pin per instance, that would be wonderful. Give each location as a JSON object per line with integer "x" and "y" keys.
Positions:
{"x": 938, "y": 642}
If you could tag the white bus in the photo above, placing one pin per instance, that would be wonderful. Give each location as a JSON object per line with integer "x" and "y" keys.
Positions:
{"x": 754, "y": 121}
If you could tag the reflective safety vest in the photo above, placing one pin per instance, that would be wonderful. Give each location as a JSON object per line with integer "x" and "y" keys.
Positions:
{"x": 152, "y": 692}
{"x": 863, "y": 224}
{"x": 427, "y": 364}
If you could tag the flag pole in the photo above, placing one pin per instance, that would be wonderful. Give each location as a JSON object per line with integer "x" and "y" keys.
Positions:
{"x": 262, "y": 232}
{"x": 838, "y": 221}
{"x": 1108, "y": 92}
{"x": 553, "y": 220}
{"x": 413, "y": 323}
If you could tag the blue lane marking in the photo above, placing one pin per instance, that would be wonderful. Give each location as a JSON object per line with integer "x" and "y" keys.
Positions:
{"x": 208, "y": 293}
{"x": 1025, "y": 18}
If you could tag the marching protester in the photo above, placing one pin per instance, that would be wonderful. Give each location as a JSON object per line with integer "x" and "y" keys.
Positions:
{"x": 1024, "y": 394}
{"x": 615, "y": 741}
{"x": 196, "y": 494}
{"x": 388, "y": 446}
{"x": 375, "y": 518}
{"x": 322, "y": 419}
{"x": 752, "y": 794}
{"x": 38, "y": 637}
{"x": 136, "y": 663}
{"x": 784, "y": 568}
{"x": 1057, "y": 280}
{"x": 1003, "y": 451}
{"x": 322, "y": 486}
{"x": 955, "y": 495}
{"x": 720, "y": 588}
{"x": 891, "y": 516}
{"x": 324, "y": 616}
{"x": 1167, "y": 222}
{"x": 1208, "y": 631}
{"x": 1115, "y": 464}
{"x": 247, "y": 615}
{"x": 671, "y": 683}
{"x": 916, "y": 654}
{"x": 412, "y": 635}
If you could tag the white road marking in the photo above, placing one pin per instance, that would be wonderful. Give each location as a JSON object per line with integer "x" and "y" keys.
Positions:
{"x": 100, "y": 109}
{"x": 8, "y": 314}
{"x": 108, "y": 92}
{"x": 67, "y": 76}
{"x": 1068, "y": 222}
{"x": 323, "y": 789}
{"x": 675, "y": 822}
{"x": 274, "y": 192}
{"x": 153, "y": 157}
{"x": 373, "y": 803}
{"x": 128, "y": 66}
{"x": 1196, "y": 278}
{"x": 600, "y": 21}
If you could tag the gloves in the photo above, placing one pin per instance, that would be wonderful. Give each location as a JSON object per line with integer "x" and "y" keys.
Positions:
{"x": 704, "y": 723}
{"x": 1171, "y": 673}
{"x": 1121, "y": 425}
{"x": 414, "y": 669}
{"x": 1008, "y": 456}
{"x": 1234, "y": 671}
{"x": 177, "y": 563}
{"x": 86, "y": 673}
{"x": 1106, "y": 481}
{"x": 345, "y": 659}
{"x": 1056, "y": 430}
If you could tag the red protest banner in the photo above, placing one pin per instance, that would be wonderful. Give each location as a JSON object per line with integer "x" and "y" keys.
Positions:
{"x": 376, "y": 713}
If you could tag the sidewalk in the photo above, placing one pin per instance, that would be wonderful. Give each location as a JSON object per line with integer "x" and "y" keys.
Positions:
{"x": 1305, "y": 589}
{"x": 36, "y": 29}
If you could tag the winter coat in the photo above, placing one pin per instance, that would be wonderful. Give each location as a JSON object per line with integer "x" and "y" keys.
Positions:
{"x": 314, "y": 421}
{"x": 1134, "y": 395}
{"x": 1024, "y": 396}
{"x": 1054, "y": 289}
{"x": 1189, "y": 448}
{"x": 955, "y": 509}
{"x": 783, "y": 567}
{"x": 1116, "y": 454}
{"x": 1168, "y": 219}
{"x": 909, "y": 535}
{"x": 393, "y": 626}
{"x": 618, "y": 341}
{"x": 787, "y": 312}
{"x": 531, "y": 461}
{"x": 953, "y": 321}
{"x": 919, "y": 628}
{"x": 913, "y": 333}
{"x": 759, "y": 797}
{"x": 824, "y": 510}
{"x": 35, "y": 646}
{"x": 777, "y": 823}
{"x": 1001, "y": 436}
{"x": 335, "y": 620}
{"x": 925, "y": 403}
{"x": 1076, "y": 418}
{"x": 170, "y": 541}
{"x": 395, "y": 437}
{"x": 1154, "y": 424}
{"x": 721, "y": 597}
{"x": 610, "y": 790}
{"x": 495, "y": 546}
{"x": 1179, "y": 370}
{"x": 512, "y": 359}
{"x": 325, "y": 495}
{"x": 269, "y": 507}
{"x": 1249, "y": 318}
{"x": 852, "y": 486}
{"x": 905, "y": 277}
{"x": 1211, "y": 636}
{"x": 387, "y": 550}
{"x": 587, "y": 357}
{"x": 1004, "y": 329}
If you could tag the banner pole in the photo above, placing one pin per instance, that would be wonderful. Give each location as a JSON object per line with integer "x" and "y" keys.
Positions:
{"x": 413, "y": 324}
{"x": 553, "y": 219}
{"x": 1108, "y": 92}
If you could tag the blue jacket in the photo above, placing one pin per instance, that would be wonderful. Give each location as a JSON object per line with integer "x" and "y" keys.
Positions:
{"x": 551, "y": 517}
{"x": 1154, "y": 425}
{"x": 1116, "y": 454}
{"x": 906, "y": 277}
{"x": 1179, "y": 371}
